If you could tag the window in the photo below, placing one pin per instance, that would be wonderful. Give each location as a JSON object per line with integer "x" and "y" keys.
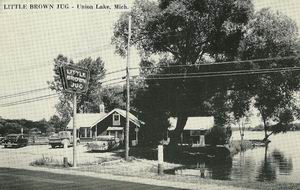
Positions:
{"x": 116, "y": 119}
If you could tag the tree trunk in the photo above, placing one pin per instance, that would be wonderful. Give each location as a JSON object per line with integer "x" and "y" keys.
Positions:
{"x": 266, "y": 153}
{"x": 175, "y": 137}
{"x": 265, "y": 126}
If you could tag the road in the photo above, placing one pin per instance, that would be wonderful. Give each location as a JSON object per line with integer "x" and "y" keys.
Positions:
{"x": 31, "y": 180}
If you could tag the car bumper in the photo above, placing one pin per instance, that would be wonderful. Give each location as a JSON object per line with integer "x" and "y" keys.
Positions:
{"x": 11, "y": 144}
{"x": 92, "y": 147}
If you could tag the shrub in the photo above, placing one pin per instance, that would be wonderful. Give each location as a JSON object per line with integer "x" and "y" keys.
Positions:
{"x": 45, "y": 161}
{"x": 218, "y": 136}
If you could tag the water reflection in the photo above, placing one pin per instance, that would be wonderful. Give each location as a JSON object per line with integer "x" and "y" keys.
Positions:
{"x": 285, "y": 165}
{"x": 208, "y": 167}
{"x": 261, "y": 164}
{"x": 219, "y": 169}
{"x": 267, "y": 171}
{"x": 272, "y": 163}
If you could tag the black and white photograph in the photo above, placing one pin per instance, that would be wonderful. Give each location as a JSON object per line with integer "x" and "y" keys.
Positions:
{"x": 149, "y": 94}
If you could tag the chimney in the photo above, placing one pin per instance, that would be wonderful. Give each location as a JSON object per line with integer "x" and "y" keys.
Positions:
{"x": 102, "y": 108}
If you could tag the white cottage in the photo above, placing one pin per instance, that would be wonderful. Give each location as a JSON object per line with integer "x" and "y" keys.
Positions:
{"x": 194, "y": 130}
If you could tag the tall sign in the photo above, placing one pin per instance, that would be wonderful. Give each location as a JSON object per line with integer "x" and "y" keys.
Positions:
{"x": 75, "y": 80}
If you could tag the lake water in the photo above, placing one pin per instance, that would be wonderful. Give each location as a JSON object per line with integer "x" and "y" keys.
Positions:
{"x": 279, "y": 162}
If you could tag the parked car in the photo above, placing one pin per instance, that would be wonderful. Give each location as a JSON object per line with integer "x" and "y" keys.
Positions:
{"x": 15, "y": 140}
{"x": 103, "y": 143}
{"x": 1, "y": 140}
{"x": 61, "y": 138}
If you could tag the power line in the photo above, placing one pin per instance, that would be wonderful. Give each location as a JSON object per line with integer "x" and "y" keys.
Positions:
{"x": 217, "y": 75}
{"x": 211, "y": 74}
{"x": 222, "y": 63}
{"x": 113, "y": 79}
{"x": 229, "y": 72}
{"x": 41, "y": 89}
{"x": 208, "y": 74}
{"x": 29, "y": 100}
{"x": 115, "y": 82}
{"x": 21, "y": 93}
{"x": 117, "y": 71}
{"x": 77, "y": 57}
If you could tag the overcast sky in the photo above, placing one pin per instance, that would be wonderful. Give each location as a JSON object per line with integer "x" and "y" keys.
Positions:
{"x": 30, "y": 40}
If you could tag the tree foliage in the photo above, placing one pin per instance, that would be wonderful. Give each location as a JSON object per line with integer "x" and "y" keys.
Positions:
{"x": 272, "y": 34}
{"x": 8, "y": 126}
{"x": 190, "y": 32}
{"x": 113, "y": 97}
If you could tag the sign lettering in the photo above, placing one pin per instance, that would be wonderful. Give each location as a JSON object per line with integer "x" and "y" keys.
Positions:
{"x": 74, "y": 79}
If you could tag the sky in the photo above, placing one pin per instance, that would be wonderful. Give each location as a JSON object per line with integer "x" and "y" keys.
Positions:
{"x": 31, "y": 39}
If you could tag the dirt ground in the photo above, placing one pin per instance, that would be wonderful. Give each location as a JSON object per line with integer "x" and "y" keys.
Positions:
{"x": 21, "y": 157}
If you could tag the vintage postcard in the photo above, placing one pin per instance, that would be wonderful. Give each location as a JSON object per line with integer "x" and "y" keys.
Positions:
{"x": 149, "y": 94}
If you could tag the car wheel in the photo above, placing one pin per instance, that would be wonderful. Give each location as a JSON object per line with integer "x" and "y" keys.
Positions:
{"x": 53, "y": 146}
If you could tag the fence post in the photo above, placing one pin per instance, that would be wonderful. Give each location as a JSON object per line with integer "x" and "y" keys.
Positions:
{"x": 65, "y": 159}
{"x": 160, "y": 159}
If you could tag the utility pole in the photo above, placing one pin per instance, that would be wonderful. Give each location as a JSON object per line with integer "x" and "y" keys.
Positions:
{"x": 74, "y": 131}
{"x": 128, "y": 93}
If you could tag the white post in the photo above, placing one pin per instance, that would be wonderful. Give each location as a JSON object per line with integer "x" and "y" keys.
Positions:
{"x": 160, "y": 159}
{"x": 137, "y": 136}
{"x": 65, "y": 159}
{"x": 74, "y": 131}
{"x": 96, "y": 130}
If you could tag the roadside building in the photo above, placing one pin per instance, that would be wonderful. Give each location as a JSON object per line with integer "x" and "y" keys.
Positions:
{"x": 91, "y": 125}
{"x": 194, "y": 130}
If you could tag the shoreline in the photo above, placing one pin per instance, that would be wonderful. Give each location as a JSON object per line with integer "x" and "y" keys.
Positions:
{"x": 146, "y": 169}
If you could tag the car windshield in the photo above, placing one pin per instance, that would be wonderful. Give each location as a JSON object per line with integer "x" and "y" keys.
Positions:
{"x": 63, "y": 134}
{"x": 105, "y": 138}
{"x": 11, "y": 137}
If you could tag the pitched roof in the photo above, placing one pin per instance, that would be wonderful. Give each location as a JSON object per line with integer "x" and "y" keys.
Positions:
{"x": 132, "y": 118}
{"x": 86, "y": 119}
{"x": 194, "y": 123}
{"x": 91, "y": 119}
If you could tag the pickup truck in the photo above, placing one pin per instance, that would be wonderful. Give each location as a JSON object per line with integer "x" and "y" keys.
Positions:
{"x": 61, "y": 138}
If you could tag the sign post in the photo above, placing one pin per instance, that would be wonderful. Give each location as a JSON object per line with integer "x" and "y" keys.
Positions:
{"x": 74, "y": 131}
{"x": 74, "y": 80}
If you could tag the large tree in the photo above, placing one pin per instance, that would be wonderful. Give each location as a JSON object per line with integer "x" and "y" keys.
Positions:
{"x": 113, "y": 97}
{"x": 185, "y": 33}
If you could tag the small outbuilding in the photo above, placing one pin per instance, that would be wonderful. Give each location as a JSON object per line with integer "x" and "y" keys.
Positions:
{"x": 194, "y": 130}
{"x": 112, "y": 124}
